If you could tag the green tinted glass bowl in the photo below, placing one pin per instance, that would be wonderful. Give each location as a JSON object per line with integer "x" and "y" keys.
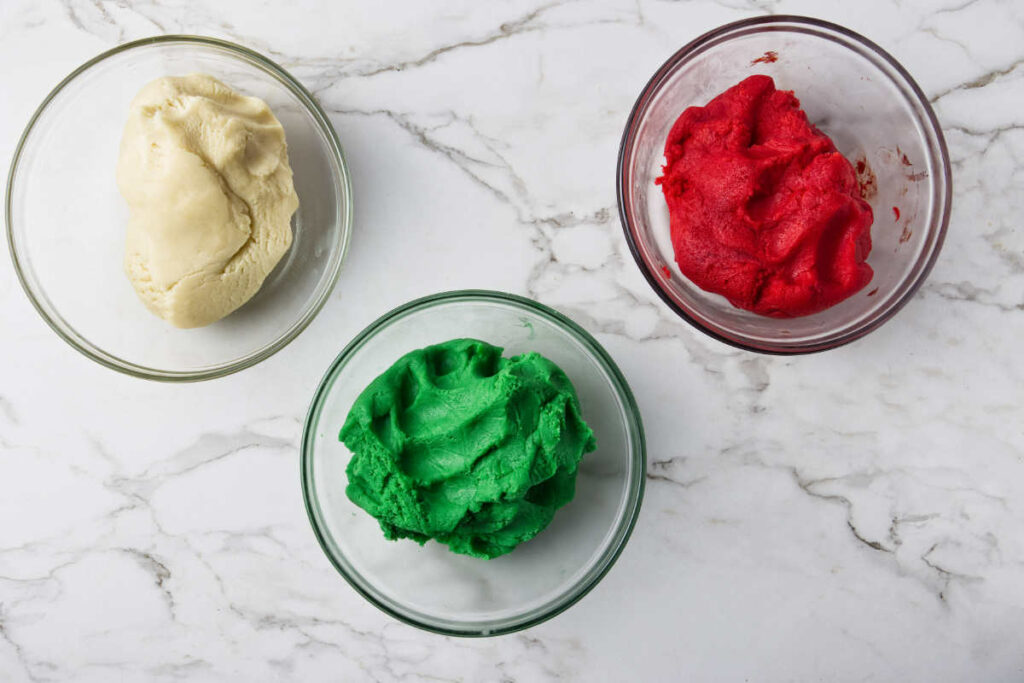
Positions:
{"x": 429, "y": 586}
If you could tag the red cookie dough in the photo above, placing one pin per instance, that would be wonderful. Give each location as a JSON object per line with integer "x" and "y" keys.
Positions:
{"x": 764, "y": 210}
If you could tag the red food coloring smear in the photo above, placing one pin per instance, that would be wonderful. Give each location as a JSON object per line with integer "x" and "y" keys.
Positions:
{"x": 903, "y": 157}
{"x": 896, "y": 212}
{"x": 666, "y": 272}
{"x": 766, "y": 58}
{"x": 873, "y": 292}
{"x": 866, "y": 181}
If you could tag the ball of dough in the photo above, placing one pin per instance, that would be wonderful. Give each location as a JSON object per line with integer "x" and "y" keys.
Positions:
{"x": 205, "y": 173}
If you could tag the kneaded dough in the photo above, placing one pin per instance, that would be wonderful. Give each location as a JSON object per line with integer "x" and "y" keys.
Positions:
{"x": 205, "y": 173}
{"x": 458, "y": 443}
{"x": 763, "y": 209}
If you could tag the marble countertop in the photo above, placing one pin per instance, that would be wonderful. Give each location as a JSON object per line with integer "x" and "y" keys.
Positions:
{"x": 856, "y": 515}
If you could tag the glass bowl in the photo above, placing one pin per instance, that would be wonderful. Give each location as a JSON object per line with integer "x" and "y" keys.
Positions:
{"x": 429, "y": 586}
{"x": 66, "y": 219}
{"x": 878, "y": 118}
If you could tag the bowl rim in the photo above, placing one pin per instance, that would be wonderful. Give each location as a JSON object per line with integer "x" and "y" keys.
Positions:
{"x": 942, "y": 205}
{"x": 638, "y": 467}
{"x": 344, "y": 216}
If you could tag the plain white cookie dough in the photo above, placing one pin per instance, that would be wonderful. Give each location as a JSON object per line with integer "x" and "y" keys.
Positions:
{"x": 205, "y": 173}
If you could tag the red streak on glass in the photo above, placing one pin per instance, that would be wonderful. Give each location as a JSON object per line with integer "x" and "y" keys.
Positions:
{"x": 767, "y": 58}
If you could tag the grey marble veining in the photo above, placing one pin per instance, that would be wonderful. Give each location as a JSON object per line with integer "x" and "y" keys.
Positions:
{"x": 855, "y": 515}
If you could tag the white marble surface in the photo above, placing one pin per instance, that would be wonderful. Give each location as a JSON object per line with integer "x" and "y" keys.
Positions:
{"x": 856, "y": 515}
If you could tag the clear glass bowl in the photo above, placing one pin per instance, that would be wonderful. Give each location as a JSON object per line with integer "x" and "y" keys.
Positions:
{"x": 66, "y": 219}
{"x": 429, "y": 586}
{"x": 878, "y": 118}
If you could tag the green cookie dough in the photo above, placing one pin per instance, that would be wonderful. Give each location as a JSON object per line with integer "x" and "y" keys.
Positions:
{"x": 456, "y": 443}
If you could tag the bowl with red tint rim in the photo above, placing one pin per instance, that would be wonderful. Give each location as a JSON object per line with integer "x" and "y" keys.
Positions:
{"x": 858, "y": 95}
